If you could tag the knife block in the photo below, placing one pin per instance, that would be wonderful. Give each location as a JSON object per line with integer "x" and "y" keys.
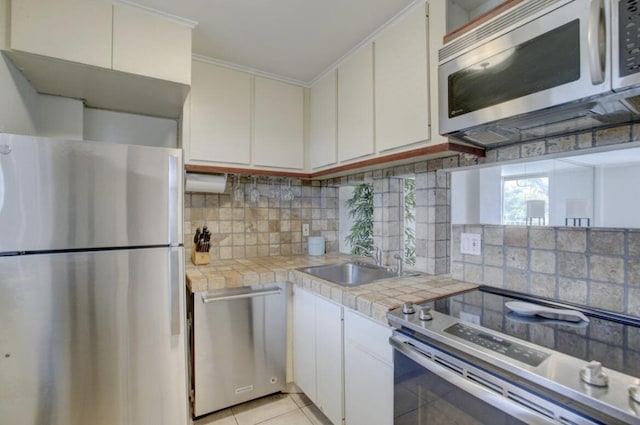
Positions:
{"x": 199, "y": 258}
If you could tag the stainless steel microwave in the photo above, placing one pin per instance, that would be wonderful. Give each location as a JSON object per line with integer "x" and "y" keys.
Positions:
{"x": 542, "y": 68}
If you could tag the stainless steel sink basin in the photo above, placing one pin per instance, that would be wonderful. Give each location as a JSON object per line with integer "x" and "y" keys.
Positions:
{"x": 353, "y": 273}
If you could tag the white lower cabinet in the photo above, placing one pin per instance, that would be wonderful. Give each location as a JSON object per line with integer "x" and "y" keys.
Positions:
{"x": 344, "y": 366}
{"x": 318, "y": 352}
{"x": 368, "y": 370}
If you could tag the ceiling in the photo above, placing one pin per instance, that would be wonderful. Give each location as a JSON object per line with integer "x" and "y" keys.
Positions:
{"x": 295, "y": 40}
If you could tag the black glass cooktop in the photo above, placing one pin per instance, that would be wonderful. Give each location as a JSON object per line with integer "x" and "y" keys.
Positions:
{"x": 610, "y": 338}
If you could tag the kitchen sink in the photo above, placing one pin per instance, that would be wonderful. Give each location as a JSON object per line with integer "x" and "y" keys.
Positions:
{"x": 353, "y": 273}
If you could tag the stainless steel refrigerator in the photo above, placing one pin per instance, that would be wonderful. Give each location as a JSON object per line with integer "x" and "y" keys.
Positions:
{"x": 91, "y": 284}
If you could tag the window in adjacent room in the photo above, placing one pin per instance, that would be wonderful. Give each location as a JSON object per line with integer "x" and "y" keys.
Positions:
{"x": 525, "y": 200}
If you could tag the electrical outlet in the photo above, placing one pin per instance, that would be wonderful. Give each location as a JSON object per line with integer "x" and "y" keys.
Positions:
{"x": 305, "y": 229}
{"x": 471, "y": 244}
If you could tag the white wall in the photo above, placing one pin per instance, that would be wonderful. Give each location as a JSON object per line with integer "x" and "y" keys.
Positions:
{"x": 572, "y": 183}
{"x": 618, "y": 196}
{"x": 59, "y": 117}
{"x": 18, "y": 101}
{"x": 119, "y": 127}
{"x": 458, "y": 16}
{"x": 465, "y": 197}
{"x": 490, "y": 195}
{"x": 476, "y": 196}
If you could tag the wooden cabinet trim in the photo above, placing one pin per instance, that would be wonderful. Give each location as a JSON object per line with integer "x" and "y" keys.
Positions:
{"x": 436, "y": 150}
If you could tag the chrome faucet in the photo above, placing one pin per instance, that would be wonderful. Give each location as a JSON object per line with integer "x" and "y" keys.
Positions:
{"x": 375, "y": 253}
{"x": 400, "y": 263}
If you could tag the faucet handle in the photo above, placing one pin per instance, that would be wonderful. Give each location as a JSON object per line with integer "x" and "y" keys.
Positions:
{"x": 400, "y": 259}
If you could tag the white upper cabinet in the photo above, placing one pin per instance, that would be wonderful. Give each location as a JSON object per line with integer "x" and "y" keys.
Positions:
{"x": 112, "y": 56}
{"x": 355, "y": 105}
{"x": 147, "y": 44}
{"x": 323, "y": 122}
{"x": 238, "y": 119}
{"x": 278, "y": 124}
{"x": 402, "y": 82}
{"x": 73, "y": 30}
{"x": 220, "y": 115}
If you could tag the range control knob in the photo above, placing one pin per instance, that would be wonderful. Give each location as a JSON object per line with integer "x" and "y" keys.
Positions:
{"x": 634, "y": 393}
{"x": 425, "y": 314}
{"x": 593, "y": 374}
{"x": 407, "y": 308}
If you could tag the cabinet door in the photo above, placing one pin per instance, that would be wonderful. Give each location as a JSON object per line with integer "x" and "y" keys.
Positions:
{"x": 278, "y": 124}
{"x": 150, "y": 45}
{"x": 355, "y": 105}
{"x": 329, "y": 363}
{"x": 220, "y": 115}
{"x": 368, "y": 366}
{"x": 368, "y": 388}
{"x": 401, "y": 85}
{"x": 73, "y": 30}
{"x": 323, "y": 122}
{"x": 304, "y": 345}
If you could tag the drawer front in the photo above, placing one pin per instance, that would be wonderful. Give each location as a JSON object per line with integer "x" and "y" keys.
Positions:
{"x": 371, "y": 336}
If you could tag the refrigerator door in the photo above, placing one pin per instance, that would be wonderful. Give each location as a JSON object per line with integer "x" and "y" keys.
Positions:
{"x": 93, "y": 338}
{"x": 60, "y": 195}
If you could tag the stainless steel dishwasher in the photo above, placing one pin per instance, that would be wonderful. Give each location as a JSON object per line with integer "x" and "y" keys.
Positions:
{"x": 238, "y": 345}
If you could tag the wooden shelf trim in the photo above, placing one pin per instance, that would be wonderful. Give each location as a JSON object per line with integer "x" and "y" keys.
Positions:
{"x": 436, "y": 150}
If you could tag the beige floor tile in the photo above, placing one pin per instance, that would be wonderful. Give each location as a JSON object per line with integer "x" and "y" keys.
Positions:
{"x": 260, "y": 410}
{"x": 292, "y": 418}
{"x": 300, "y": 399}
{"x": 224, "y": 417}
{"x": 315, "y": 415}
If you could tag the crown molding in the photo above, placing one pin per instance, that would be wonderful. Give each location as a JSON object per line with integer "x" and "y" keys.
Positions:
{"x": 177, "y": 19}
{"x": 248, "y": 70}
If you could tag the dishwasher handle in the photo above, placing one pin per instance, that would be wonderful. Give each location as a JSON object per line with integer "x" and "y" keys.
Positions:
{"x": 208, "y": 298}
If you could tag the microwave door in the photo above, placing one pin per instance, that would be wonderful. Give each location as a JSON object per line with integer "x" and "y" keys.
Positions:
{"x": 545, "y": 62}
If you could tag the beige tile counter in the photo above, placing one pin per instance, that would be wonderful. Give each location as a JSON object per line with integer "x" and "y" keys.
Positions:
{"x": 373, "y": 299}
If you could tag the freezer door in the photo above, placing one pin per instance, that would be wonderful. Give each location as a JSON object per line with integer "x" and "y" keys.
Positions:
{"x": 93, "y": 338}
{"x": 60, "y": 194}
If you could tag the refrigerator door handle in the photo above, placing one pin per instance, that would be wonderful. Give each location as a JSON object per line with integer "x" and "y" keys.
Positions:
{"x": 175, "y": 201}
{"x": 175, "y": 271}
{"x": 209, "y": 299}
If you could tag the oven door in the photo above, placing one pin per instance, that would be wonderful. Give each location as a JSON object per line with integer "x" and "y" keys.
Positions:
{"x": 555, "y": 58}
{"x": 432, "y": 387}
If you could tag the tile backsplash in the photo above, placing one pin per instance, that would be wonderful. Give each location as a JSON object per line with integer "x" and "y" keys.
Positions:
{"x": 268, "y": 227}
{"x": 595, "y": 267}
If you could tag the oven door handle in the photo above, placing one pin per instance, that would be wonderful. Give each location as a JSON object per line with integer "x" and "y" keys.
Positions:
{"x": 407, "y": 347}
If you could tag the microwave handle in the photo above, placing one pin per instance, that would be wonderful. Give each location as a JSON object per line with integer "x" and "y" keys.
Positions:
{"x": 596, "y": 44}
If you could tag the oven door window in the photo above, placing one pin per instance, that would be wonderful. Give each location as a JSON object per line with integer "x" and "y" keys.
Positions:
{"x": 421, "y": 398}
{"x": 544, "y": 62}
